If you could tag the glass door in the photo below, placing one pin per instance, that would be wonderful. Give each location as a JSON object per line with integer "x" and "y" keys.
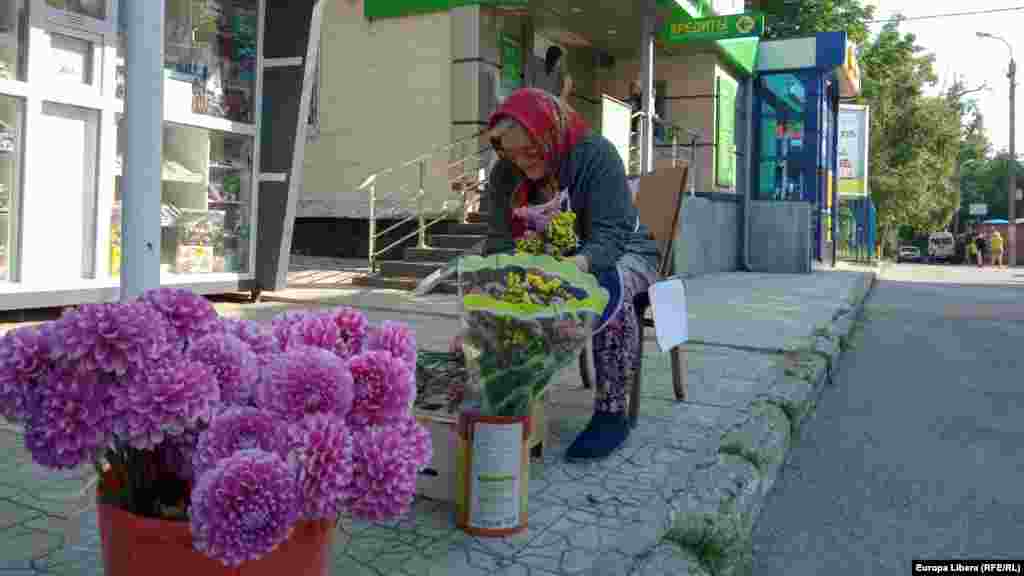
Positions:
{"x": 787, "y": 149}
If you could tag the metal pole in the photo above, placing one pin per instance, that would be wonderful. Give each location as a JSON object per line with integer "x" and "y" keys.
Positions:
{"x": 693, "y": 164}
{"x": 422, "y": 240}
{"x": 372, "y": 242}
{"x": 144, "y": 113}
{"x": 675, "y": 148}
{"x": 647, "y": 87}
{"x": 1011, "y": 228}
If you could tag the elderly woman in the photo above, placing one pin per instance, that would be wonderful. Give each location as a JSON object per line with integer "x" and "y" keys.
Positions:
{"x": 549, "y": 157}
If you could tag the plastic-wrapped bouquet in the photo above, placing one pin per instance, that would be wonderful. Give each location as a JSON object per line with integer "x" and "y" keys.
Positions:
{"x": 239, "y": 429}
{"x": 525, "y": 318}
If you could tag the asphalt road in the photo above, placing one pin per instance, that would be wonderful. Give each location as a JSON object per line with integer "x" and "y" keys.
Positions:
{"x": 917, "y": 448}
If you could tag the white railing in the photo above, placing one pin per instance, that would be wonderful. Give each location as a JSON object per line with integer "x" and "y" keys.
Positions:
{"x": 465, "y": 179}
{"x": 408, "y": 204}
{"x": 634, "y": 168}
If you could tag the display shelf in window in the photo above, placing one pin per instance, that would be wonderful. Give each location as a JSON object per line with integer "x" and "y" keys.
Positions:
{"x": 171, "y": 171}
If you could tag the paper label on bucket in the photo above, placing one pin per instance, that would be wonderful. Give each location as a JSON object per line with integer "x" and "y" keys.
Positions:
{"x": 494, "y": 485}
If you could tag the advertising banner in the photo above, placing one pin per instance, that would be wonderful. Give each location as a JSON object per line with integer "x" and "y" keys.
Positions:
{"x": 615, "y": 125}
{"x": 853, "y": 150}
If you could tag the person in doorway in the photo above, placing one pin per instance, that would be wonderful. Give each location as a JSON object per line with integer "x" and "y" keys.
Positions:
{"x": 979, "y": 248}
{"x": 996, "y": 245}
{"x": 554, "y": 78}
{"x": 548, "y": 151}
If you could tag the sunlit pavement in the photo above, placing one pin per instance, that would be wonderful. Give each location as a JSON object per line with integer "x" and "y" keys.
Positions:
{"x": 914, "y": 452}
{"x": 954, "y": 274}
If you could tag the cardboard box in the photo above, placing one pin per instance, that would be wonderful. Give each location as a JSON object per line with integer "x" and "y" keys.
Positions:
{"x": 437, "y": 481}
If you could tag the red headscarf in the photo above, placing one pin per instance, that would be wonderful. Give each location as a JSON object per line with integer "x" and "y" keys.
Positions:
{"x": 552, "y": 124}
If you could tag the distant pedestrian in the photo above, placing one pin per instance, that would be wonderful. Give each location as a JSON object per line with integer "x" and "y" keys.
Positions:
{"x": 554, "y": 78}
{"x": 979, "y": 245}
{"x": 996, "y": 244}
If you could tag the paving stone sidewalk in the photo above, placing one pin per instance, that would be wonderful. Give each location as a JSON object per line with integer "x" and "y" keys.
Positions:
{"x": 679, "y": 498}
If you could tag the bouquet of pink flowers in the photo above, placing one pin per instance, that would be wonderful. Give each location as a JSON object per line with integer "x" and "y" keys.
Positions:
{"x": 238, "y": 428}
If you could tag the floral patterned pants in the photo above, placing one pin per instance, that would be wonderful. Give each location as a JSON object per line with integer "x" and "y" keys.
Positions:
{"x": 617, "y": 348}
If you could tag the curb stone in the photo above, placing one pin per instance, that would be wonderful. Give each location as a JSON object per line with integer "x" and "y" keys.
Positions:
{"x": 714, "y": 522}
{"x": 667, "y": 559}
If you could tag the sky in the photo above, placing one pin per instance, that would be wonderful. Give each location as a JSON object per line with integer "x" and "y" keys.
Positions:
{"x": 960, "y": 53}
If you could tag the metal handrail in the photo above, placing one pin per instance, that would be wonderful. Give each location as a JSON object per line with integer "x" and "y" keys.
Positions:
{"x": 462, "y": 175}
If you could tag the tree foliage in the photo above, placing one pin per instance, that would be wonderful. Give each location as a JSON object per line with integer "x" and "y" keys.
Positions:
{"x": 792, "y": 18}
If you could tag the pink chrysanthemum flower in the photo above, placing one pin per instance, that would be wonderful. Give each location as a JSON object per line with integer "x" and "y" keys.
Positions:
{"x": 352, "y": 326}
{"x": 236, "y": 429}
{"x": 385, "y": 388}
{"x": 115, "y": 338}
{"x": 316, "y": 330}
{"x": 233, "y": 364}
{"x": 24, "y": 357}
{"x": 305, "y": 381}
{"x": 189, "y": 315}
{"x": 69, "y": 420}
{"x": 166, "y": 399}
{"x": 259, "y": 337}
{"x": 396, "y": 338}
{"x": 322, "y": 451}
{"x": 387, "y": 461}
{"x": 244, "y": 508}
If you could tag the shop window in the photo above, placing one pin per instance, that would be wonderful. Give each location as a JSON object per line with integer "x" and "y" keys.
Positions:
{"x": 58, "y": 230}
{"x": 71, "y": 59}
{"x": 786, "y": 159}
{"x": 210, "y": 57}
{"x": 13, "y": 39}
{"x": 10, "y": 161}
{"x": 206, "y": 201}
{"x": 96, "y": 9}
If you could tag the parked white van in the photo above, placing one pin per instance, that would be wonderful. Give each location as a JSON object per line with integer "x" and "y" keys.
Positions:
{"x": 941, "y": 246}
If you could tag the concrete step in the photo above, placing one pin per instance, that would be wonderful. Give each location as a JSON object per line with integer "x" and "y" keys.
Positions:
{"x": 460, "y": 241}
{"x": 430, "y": 254}
{"x": 478, "y": 217}
{"x": 469, "y": 228}
{"x": 407, "y": 269}
{"x": 400, "y": 283}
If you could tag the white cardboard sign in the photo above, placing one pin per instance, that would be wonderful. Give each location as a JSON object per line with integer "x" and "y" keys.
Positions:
{"x": 668, "y": 305}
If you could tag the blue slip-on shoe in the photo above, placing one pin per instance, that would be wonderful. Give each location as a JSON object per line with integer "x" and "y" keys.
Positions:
{"x": 605, "y": 433}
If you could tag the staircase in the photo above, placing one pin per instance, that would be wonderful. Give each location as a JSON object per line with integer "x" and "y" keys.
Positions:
{"x": 446, "y": 241}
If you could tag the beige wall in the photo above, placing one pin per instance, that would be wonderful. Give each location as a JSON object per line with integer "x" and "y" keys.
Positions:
{"x": 691, "y": 88}
{"x": 385, "y": 99}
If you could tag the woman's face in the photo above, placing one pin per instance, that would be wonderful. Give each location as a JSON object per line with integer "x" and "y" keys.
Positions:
{"x": 518, "y": 147}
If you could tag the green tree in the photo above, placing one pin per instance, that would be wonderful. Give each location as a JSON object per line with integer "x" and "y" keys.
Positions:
{"x": 789, "y": 18}
{"x": 914, "y": 139}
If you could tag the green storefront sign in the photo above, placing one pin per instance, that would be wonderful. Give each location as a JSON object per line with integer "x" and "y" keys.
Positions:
{"x": 398, "y": 8}
{"x": 715, "y": 28}
{"x": 511, "y": 65}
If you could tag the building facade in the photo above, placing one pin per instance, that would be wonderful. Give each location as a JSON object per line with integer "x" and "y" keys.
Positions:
{"x": 401, "y": 80}
{"x": 62, "y": 88}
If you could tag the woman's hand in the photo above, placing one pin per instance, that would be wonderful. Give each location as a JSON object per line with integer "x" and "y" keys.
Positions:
{"x": 582, "y": 262}
{"x": 538, "y": 217}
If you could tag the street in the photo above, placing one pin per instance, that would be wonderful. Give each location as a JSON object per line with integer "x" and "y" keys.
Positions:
{"x": 914, "y": 451}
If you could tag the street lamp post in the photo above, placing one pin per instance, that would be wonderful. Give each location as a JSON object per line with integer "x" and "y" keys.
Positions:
{"x": 1011, "y": 228}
